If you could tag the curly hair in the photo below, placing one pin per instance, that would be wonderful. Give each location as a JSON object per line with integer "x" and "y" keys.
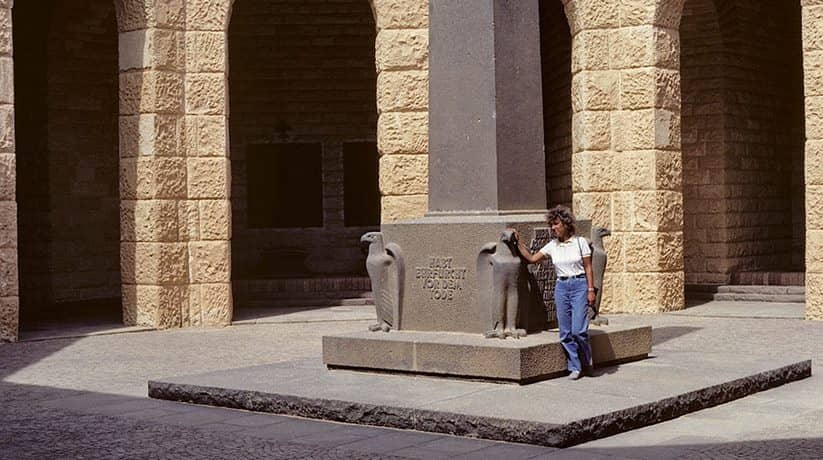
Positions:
{"x": 565, "y": 216}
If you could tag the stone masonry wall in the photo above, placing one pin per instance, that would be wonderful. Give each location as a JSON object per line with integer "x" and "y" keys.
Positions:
{"x": 82, "y": 151}
{"x": 9, "y": 301}
{"x": 626, "y": 167}
{"x": 742, "y": 125}
{"x": 402, "y": 55}
{"x": 702, "y": 109}
{"x": 556, "y": 51}
{"x": 175, "y": 171}
{"x": 155, "y": 213}
{"x": 764, "y": 133}
{"x": 300, "y": 72}
{"x": 813, "y": 79}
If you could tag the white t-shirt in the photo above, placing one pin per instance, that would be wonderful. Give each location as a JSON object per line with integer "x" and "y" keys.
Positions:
{"x": 567, "y": 256}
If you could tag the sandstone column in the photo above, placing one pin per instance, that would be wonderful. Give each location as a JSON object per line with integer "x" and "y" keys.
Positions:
{"x": 813, "y": 76}
{"x": 154, "y": 255}
{"x": 626, "y": 166}
{"x": 402, "y": 52}
{"x": 206, "y": 213}
{"x": 9, "y": 297}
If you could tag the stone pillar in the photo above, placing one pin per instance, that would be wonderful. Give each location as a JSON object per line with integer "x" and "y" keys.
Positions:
{"x": 153, "y": 188}
{"x": 402, "y": 55}
{"x": 9, "y": 297}
{"x": 486, "y": 113}
{"x": 487, "y": 161}
{"x": 626, "y": 165}
{"x": 206, "y": 220}
{"x": 813, "y": 79}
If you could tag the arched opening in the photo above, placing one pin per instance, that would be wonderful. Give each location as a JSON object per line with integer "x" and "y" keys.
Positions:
{"x": 556, "y": 54}
{"x": 302, "y": 124}
{"x": 742, "y": 144}
{"x": 66, "y": 80}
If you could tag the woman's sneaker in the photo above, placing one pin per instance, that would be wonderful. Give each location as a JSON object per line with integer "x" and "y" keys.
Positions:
{"x": 575, "y": 375}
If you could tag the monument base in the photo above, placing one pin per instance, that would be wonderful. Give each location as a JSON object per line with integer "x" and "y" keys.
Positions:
{"x": 529, "y": 359}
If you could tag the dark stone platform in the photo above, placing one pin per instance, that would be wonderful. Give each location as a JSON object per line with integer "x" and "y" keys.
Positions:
{"x": 525, "y": 360}
{"x": 556, "y": 413}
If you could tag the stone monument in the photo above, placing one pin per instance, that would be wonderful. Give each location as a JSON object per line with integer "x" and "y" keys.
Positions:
{"x": 461, "y": 281}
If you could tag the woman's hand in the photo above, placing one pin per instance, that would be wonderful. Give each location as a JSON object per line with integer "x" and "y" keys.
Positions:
{"x": 523, "y": 250}
{"x": 591, "y": 297}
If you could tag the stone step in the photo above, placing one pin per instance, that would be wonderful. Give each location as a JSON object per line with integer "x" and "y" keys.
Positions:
{"x": 305, "y": 302}
{"x": 304, "y": 285}
{"x": 297, "y": 292}
{"x": 771, "y": 278}
{"x": 777, "y": 298}
{"x": 750, "y": 293}
{"x": 762, "y": 290}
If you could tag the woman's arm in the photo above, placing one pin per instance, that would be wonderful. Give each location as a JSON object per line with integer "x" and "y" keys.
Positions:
{"x": 525, "y": 253}
{"x": 587, "y": 267}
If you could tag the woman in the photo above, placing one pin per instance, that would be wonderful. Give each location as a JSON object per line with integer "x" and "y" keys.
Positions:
{"x": 574, "y": 289}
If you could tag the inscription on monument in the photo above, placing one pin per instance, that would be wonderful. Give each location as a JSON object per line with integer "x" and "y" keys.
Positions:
{"x": 441, "y": 278}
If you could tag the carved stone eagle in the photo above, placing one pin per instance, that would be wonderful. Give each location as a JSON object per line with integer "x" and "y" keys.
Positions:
{"x": 499, "y": 278}
{"x": 599, "y": 260}
{"x": 385, "y": 267}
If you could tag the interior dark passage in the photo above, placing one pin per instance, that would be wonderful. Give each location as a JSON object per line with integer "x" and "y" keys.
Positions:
{"x": 66, "y": 79}
{"x": 303, "y": 121}
{"x": 742, "y": 142}
{"x": 556, "y": 54}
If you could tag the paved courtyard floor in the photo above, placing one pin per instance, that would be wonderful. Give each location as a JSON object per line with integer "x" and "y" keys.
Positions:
{"x": 85, "y": 397}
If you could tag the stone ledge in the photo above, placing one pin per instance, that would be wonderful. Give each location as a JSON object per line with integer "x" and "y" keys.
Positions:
{"x": 406, "y": 402}
{"x": 532, "y": 358}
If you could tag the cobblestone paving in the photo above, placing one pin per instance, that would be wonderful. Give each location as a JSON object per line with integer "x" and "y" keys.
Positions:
{"x": 85, "y": 398}
{"x": 29, "y": 432}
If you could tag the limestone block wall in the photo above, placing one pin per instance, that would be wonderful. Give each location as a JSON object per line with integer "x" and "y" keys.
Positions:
{"x": 626, "y": 167}
{"x": 154, "y": 174}
{"x": 205, "y": 216}
{"x": 813, "y": 73}
{"x": 301, "y": 72}
{"x": 9, "y": 301}
{"x": 402, "y": 103}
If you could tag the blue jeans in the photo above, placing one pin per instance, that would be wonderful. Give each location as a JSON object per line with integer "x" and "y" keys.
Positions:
{"x": 573, "y": 321}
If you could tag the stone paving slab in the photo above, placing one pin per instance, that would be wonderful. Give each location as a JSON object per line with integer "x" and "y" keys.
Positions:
{"x": 613, "y": 400}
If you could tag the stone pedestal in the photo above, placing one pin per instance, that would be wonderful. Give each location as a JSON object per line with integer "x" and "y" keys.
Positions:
{"x": 443, "y": 281}
{"x": 440, "y": 254}
{"x": 532, "y": 358}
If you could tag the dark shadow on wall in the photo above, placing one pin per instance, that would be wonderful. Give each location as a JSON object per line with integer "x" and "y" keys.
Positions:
{"x": 67, "y": 162}
{"x": 556, "y": 53}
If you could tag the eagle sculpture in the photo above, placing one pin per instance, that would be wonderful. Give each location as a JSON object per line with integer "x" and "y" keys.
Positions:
{"x": 599, "y": 259}
{"x": 385, "y": 266}
{"x": 499, "y": 276}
